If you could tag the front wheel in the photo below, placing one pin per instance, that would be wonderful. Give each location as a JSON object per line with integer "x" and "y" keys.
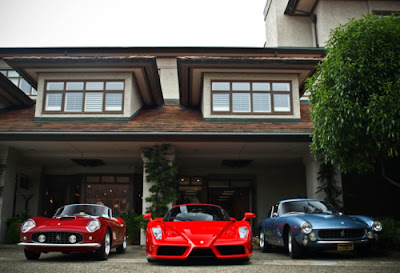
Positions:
{"x": 122, "y": 248}
{"x": 294, "y": 248}
{"x": 104, "y": 250}
{"x": 265, "y": 247}
{"x": 31, "y": 255}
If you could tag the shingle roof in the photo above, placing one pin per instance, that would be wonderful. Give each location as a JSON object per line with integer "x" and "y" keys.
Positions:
{"x": 169, "y": 119}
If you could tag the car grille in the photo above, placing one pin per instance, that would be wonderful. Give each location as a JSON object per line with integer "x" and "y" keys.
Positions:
{"x": 231, "y": 250}
{"x": 171, "y": 250}
{"x": 340, "y": 234}
{"x": 57, "y": 237}
{"x": 202, "y": 253}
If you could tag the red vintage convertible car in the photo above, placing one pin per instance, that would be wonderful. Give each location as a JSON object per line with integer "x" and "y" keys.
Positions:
{"x": 74, "y": 228}
{"x": 198, "y": 231}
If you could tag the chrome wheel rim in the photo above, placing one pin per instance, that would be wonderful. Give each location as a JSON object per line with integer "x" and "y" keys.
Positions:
{"x": 289, "y": 243}
{"x": 107, "y": 244}
{"x": 262, "y": 237}
{"x": 124, "y": 244}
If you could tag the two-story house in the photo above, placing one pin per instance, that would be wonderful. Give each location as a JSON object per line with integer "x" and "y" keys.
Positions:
{"x": 73, "y": 121}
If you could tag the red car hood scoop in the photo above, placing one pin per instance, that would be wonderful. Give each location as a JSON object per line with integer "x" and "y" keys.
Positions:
{"x": 200, "y": 233}
{"x": 66, "y": 218}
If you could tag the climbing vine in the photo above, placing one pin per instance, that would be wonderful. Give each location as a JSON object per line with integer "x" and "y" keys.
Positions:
{"x": 326, "y": 176}
{"x": 162, "y": 174}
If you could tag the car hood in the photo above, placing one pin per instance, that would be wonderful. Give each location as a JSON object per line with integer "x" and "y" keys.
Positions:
{"x": 200, "y": 233}
{"x": 43, "y": 224}
{"x": 332, "y": 221}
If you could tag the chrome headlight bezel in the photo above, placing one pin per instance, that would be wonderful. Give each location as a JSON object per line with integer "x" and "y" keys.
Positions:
{"x": 157, "y": 232}
{"x": 28, "y": 225}
{"x": 243, "y": 231}
{"x": 93, "y": 225}
{"x": 376, "y": 226}
{"x": 306, "y": 227}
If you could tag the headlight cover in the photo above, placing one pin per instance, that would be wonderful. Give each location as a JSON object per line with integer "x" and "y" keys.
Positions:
{"x": 93, "y": 225}
{"x": 27, "y": 225}
{"x": 243, "y": 231}
{"x": 376, "y": 226}
{"x": 157, "y": 233}
{"x": 306, "y": 227}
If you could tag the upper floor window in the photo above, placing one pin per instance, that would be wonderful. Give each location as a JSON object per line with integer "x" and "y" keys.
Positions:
{"x": 14, "y": 77}
{"x": 82, "y": 96}
{"x": 254, "y": 97}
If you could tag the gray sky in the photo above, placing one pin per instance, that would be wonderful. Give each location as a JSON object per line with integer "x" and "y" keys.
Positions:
{"x": 52, "y": 23}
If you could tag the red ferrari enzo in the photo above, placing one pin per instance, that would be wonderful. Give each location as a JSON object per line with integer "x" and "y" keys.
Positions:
{"x": 198, "y": 231}
{"x": 74, "y": 228}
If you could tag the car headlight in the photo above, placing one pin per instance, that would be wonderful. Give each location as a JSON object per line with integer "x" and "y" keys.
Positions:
{"x": 376, "y": 226}
{"x": 27, "y": 225}
{"x": 306, "y": 227}
{"x": 157, "y": 233}
{"x": 243, "y": 231}
{"x": 93, "y": 225}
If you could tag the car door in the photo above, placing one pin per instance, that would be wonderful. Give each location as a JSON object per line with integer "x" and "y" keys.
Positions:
{"x": 270, "y": 226}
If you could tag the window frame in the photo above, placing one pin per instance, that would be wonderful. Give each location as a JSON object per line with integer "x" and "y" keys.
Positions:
{"x": 84, "y": 91}
{"x": 19, "y": 79}
{"x": 271, "y": 93}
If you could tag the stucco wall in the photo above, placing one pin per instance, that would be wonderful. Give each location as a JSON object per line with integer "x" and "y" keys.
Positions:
{"x": 132, "y": 101}
{"x": 283, "y": 30}
{"x": 206, "y": 100}
{"x": 169, "y": 78}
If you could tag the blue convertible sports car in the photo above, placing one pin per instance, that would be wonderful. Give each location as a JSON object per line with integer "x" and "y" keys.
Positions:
{"x": 300, "y": 224}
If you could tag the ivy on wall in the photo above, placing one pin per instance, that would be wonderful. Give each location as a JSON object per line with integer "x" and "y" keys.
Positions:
{"x": 162, "y": 174}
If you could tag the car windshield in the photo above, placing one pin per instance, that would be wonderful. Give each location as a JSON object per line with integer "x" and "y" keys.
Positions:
{"x": 197, "y": 213}
{"x": 83, "y": 210}
{"x": 307, "y": 206}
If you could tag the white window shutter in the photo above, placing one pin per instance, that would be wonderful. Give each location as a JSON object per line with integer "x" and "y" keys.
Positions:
{"x": 261, "y": 102}
{"x": 241, "y": 102}
{"x": 282, "y": 103}
{"x": 94, "y": 102}
{"x": 114, "y": 102}
{"x": 53, "y": 102}
{"x": 73, "y": 102}
{"x": 221, "y": 102}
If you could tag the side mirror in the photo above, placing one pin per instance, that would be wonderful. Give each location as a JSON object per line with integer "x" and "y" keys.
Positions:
{"x": 148, "y": 217}
{"x": 275, "y": 214}
{"x": 248, "y": 215}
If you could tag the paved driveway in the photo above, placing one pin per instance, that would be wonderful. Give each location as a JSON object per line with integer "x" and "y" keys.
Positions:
{"x": 12, "y": 259}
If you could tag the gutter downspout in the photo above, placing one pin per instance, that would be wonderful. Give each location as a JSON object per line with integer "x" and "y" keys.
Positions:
{"x": 314, "y": 22}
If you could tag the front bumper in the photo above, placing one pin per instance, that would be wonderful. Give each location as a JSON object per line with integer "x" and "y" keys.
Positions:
{"x": 60, "y": 245}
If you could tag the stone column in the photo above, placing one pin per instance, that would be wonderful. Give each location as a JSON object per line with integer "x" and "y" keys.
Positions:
{"x": 312, "y": 182}
{"x": 8, "y": 157}
{"x": 146, "y": 193}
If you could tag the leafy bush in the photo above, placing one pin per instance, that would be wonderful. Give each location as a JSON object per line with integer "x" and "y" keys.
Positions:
{"x": 14, "y": 225}
{"x": 389, "y": 237}
{"x": 134, "y": 222}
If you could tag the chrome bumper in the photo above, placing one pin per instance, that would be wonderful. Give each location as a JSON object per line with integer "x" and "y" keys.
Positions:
{"x": 343, "y": 242}
{"x": 61, "y": 245}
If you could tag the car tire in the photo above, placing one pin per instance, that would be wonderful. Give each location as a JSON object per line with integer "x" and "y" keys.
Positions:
{"x": 104, "y": 250}
{"x": 122, "y": 248}
{"x": 265, "y": 247}
{"x": 31, "y": 255}
{"x": 294, "y": 248}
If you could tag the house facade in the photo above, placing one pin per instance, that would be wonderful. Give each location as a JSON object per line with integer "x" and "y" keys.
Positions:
{"x": 73, "y": 122}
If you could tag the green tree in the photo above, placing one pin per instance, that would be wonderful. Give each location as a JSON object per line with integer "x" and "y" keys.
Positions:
{"x": 355, "y": 95}
{"x": 162, "y": 173}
